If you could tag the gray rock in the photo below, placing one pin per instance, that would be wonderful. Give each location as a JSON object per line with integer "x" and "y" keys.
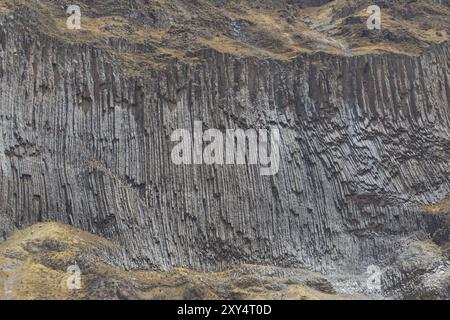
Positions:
{"x": 365, "y": 144}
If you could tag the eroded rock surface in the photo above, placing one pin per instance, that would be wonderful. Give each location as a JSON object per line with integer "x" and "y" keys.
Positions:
{"x": 34, "y": 265}
{"x": 85, "y": 140}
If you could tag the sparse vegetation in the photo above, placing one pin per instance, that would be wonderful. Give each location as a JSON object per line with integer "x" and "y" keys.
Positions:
{"x": 441, "y": 208}
{"x": 174, "y": 30}
{"x": 34, "y": 261}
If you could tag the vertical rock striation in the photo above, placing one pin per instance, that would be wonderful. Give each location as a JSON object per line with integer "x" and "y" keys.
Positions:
{"x": 365, "y": 144}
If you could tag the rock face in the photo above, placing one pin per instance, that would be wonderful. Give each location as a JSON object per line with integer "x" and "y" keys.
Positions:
{"x": 34, "y": 263}
{"x": 365, "y": 144}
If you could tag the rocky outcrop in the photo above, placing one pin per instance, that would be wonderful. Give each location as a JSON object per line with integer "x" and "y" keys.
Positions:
{"x": 364, "y": 146}
{"x": 35, "y": 264}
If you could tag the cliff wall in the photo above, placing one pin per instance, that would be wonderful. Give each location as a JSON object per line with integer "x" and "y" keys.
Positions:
{"x": 364, "y": 146}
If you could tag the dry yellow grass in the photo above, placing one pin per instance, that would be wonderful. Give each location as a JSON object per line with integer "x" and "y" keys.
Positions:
{"x": 440, "y": 208}
{"x": 245, "y": 28}
{"x": 23, "y": 273}
{"x": 34, "y": 261}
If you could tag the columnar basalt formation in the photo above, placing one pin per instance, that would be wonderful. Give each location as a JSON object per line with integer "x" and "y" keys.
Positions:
{"x": 365, "y": 146}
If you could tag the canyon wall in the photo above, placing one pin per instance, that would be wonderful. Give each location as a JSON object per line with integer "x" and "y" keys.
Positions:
{"x": 365, "y": 144}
